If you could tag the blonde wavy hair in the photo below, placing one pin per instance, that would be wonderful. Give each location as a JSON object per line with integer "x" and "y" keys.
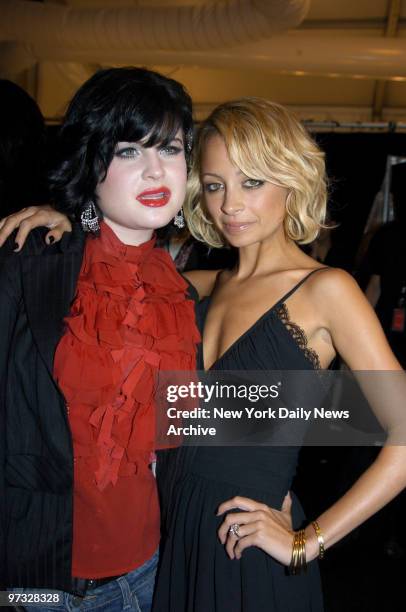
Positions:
{"x": 266, "y": 142}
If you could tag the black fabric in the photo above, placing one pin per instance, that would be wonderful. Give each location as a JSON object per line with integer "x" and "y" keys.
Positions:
{"x": 195, "y": 573}
{"x": 36, "y": 458}
{"x": 202, "y": 257}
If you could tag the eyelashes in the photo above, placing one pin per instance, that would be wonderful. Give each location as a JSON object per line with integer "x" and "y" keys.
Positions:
{"x": 253, "y": 183}
{"x": 132, "y": 152}
{"x": 171, "y": 150}
{"x": 127, "y": 153}
{"x": 247, "y": 184}
{"x": 212, "y": 187}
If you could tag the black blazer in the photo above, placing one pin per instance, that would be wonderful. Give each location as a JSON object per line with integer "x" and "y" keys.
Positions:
{"x": 37, "y": 287}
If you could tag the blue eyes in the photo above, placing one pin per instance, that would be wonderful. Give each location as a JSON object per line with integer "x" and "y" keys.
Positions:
{"x": 132, "y": 152}
{"x": 253, "y": 183}
{"x": 127, "y": 152}
{"x": 171, "y": 150}
{"x": 247, "y": 184}
{"x": 212, "y": 187}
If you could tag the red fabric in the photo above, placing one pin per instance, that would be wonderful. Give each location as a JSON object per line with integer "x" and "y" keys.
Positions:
{"x": 130, "y": 318}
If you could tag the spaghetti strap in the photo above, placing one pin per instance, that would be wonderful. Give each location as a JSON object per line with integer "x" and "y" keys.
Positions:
{"x": 195, "y": 480}
{"x": 296, "y": 287}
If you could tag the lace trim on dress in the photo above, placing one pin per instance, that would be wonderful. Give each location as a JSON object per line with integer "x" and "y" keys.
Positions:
{"x": 298, "y": 335}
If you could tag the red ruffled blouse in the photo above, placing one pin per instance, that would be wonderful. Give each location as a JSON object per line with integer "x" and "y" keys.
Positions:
{"x": 130, "y": 318}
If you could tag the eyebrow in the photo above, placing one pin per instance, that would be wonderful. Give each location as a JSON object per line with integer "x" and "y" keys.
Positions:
{"x": 180, "y": 140}
{"x": 211, "y": 174}
{"x": 139, "y": 142}
{"x": 218, "y": 175}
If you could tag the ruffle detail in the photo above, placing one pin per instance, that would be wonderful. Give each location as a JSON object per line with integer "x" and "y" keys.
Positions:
{"x": 131, "y": 317}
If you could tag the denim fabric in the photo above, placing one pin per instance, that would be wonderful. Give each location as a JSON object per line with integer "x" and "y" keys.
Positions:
{"x": 129, "y": 593}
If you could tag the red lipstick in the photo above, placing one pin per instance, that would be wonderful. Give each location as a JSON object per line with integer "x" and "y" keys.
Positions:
{"x": 154, "y": 198}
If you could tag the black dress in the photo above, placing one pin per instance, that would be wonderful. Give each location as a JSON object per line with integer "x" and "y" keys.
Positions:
{"x": 195, "y": 573}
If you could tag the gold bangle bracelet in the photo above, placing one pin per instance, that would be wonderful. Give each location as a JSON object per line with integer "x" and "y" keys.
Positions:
{"x": 298, "y": 560}
{"x": 294, "y": 559}
{"x": 320, "y": 538}
{"x": 303, "y": 564}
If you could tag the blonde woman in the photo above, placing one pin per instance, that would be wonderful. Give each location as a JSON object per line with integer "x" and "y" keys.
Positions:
{"x": 233, "y": 528}
{"x": 258, "y": 184}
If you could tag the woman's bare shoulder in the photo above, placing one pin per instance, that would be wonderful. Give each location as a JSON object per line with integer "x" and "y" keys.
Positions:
{"x": 334, "y": 282}
{"x": 351, "y": 321}
{"x": 202, "y": 280}
{"x": 339, "y": 301}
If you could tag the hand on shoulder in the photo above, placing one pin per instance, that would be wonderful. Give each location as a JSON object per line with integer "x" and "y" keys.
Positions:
{"x": 28, "y": 219}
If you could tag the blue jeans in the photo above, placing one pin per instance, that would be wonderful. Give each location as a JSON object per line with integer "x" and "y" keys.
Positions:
{"x": 130, "y": 593}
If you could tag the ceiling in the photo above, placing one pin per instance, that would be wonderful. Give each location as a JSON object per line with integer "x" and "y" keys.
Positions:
{"x": 345, "y": 61}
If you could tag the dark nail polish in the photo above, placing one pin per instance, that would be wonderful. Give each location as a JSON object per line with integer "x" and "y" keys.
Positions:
{"x": 51, "y": 239}
{"x": 16, "y": 246}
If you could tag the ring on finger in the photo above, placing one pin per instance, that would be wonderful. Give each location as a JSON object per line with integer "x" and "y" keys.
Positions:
{"x": 234, "y": 530}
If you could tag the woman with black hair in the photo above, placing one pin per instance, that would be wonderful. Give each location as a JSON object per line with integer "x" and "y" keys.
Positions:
{"x": 86, "y": 325}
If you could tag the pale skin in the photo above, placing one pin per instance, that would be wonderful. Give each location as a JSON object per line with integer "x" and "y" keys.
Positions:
{"x": 329, "y": 307}
{"x": 133, "y": 170}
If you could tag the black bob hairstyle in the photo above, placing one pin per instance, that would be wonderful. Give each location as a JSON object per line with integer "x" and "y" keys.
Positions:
{"x": 116, "y": 104}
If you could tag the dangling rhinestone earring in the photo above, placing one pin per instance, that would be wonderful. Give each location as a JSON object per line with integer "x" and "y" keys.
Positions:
{"x": 179, "y": 219}
{"x": 189, "y": 141}
{"x": 89, "y": 219}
